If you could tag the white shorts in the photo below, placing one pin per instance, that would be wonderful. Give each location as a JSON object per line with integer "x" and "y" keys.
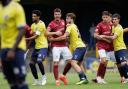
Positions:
{"x": 61, "y": 51}
{"x": 109, "y": 55}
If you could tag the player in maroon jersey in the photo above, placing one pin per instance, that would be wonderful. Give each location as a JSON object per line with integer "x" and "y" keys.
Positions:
{"x": 55, "y": 29}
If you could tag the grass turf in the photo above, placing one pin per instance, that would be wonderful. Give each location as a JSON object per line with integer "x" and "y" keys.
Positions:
{"x": 112, "y": 78}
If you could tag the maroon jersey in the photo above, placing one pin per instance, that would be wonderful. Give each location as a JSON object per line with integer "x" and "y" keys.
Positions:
{"x": 57, "y": 26}
{"x": 28, "y": 31}
{"x": 104, "y": 29}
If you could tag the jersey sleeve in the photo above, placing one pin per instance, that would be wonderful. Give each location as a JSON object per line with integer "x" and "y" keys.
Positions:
{"x": 118, "y": 31}
{"x": 68, "y": 29}
{"x": 98, "y": 29}
{"x": 50, "y": 26}
{"x": 20, "y": 17}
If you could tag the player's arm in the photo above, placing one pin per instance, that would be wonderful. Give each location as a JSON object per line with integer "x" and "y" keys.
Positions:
{"x": 126, "y": 30}
{"x": 20, "y": 22}
{"x": 63, "y": 37}
{"x": 110, "y": 37}
{"x": 99, "y": 37}
{"x": 49, "y": 33}
{"x": 32, "y": 37}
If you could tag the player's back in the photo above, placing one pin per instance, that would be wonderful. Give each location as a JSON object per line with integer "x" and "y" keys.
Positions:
{"x": 74, "y": 37}
{"x": 11, "y": 18}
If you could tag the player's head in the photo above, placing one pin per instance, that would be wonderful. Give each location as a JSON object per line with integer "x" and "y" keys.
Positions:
{"x": 106, "y": 16}
{"x": 5, "y": 2}
{"x": 57, "y": 13}
{"x": 110, "y": 18}
{"x": 36, "y": 14}
{"x": 70, "y": 17}
{"x": 116, "y": 19}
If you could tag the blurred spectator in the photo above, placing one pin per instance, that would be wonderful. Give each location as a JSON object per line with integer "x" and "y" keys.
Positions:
{"x": 92, "y": 40}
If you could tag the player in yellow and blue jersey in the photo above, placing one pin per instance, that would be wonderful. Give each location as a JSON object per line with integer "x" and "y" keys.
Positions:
{"x": 13, "y": 45}
{"x": 41, "y": 47}
{"x": 119, "y": 47}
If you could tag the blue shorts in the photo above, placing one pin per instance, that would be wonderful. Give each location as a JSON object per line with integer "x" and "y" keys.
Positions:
{"x": 13, "y": 69}
{"x": 79, "y": 53}
{"x": 39, "y": 54}
{"x": 120, "y": 56}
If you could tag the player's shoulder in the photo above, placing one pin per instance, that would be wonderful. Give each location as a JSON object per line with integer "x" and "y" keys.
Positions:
{"x": 41, "y": 23}
{"x": 52, "y": 22}
{"x": 100, "y": 23}
{"x": 15, "y": 4}
{"x": 120, "y": 27}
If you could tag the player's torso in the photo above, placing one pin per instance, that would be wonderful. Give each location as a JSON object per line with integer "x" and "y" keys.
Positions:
{"x": 118, "y": 43}
{"x": 105, "y": 29}
{"x": 41, "y": 40}
{"x": 75, "y": 38}
{"x": 8, "y": 26}
{"x": 57, "y": 26}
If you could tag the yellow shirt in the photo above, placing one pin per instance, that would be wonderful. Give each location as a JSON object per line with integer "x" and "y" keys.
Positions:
{"x": 12, "y": 19}
{"x": 75, "y": 40}
{"x": 41, "y": 40}
{"x": 118, "y": 43}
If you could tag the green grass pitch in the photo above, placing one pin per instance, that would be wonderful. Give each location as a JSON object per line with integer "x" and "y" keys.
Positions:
{"x": 112, "y": 78}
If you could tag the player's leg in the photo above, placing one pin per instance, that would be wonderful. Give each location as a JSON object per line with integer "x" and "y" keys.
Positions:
{"x": 67, "y": 56}
{"x": 112, "y": 56}
{"x": 102, "y": 67}
{"x": 78, "y": 53}
{"x": 80, "y": 63}
{"x": 122, "y": 64}
{"x": 32, "y": 65}
{"x": 56, "y": 56}
{"x": 41, "y": 57}
{"x": 19, "y": 69}
{"x": 7, "y": 69}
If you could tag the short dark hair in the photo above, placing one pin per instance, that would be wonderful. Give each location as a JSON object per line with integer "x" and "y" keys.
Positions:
{"x": 116, "y": 15}
{"x": 37, "y": 12}
{"x": 72, "y": 15}
{"x": 106, "y": 13}
{"x": 57, "y": 10}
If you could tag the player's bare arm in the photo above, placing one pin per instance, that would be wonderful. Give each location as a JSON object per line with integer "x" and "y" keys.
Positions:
{"x": 63, "y": 37}
{"x": 109, "y": 37}
{"x": 99, "y": 37}
{"x": 126, "y": 30}
{"x": 32, "y": 37}
{"x": 48, "y": 33}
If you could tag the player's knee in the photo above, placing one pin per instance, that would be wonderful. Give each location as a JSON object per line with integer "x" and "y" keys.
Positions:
{"x": 103, "y": 60}
{"x": 31, "y": 64}
{"x": 73, "y": 62}
{"x": 56, "y": 62}
{"x": 69, "y": 61}
{"x": 39, "y": 62}
{"x": 123, "y": 63}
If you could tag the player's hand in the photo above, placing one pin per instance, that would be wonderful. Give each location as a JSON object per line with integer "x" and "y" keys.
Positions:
{"x": 58, "y": 33}
{"x": 99, "y": 37}
{"x": 102, "y": 36}
{"x": 11, "y": 54}
{"x": 51, "y": 39}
